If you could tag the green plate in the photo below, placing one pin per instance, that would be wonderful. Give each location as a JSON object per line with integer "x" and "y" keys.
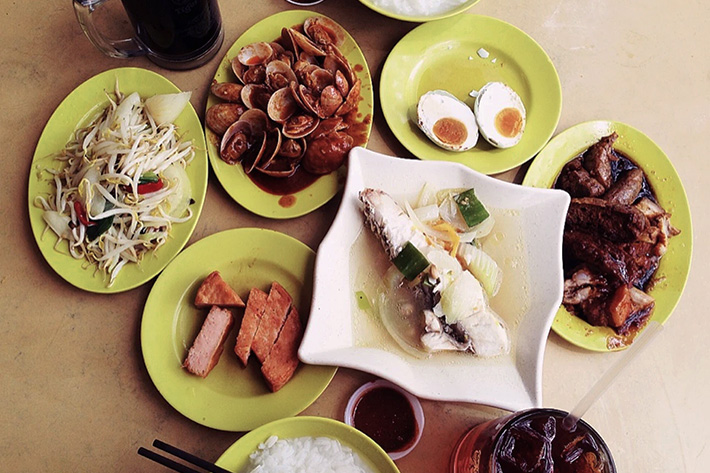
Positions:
{"x": 230, "y": 397}
{"x": 674, "y": 267}
{"x": 236, "y": 457}
{"x": 454, "y": 11}
{"x": 233, "y": 178}
{"x": 75, "y": 110}
{"x": 444, "y": 55}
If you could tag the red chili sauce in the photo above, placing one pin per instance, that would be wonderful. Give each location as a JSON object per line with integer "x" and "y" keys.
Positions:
{"x": 386, "y": 416}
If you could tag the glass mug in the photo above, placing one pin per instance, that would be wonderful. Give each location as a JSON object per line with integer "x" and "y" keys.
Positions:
{"x": 175, "y": 34}
{"x": 531, "y": 441}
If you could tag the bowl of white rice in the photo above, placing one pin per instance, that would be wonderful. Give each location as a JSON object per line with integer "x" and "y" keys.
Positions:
{"x": 419, "y": 10}
{"x": 306, "y": 445}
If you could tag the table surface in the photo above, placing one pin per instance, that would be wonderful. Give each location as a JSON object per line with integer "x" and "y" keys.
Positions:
{"x": 75, "y": 393}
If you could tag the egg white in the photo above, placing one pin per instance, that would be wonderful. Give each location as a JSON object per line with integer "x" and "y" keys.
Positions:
{"x": 438, "y": 104}
{"x": 490, "y": 101}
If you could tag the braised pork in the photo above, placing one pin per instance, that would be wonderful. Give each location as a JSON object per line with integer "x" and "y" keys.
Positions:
{"x": 615, "y": 236}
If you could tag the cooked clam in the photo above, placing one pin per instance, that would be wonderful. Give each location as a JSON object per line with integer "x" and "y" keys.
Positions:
{"x": 327, "y": 126}
{"x": 299, "y": 126}
{"x": 293, "y": 149}
{"x": 330, "y": 101}
{"x": 236, "y": 142}
{"x": 255, "y": 53}
{"x": 269, "y": 149}
{"x": 281, "y": 105}
{"x": 228, "y": 91}
{"x": 279, "y": 75}
{"x": 305, "y": 44}
{"x": 257, "y": 119}
{"x": 254, "y": 75}
{"x": 351, "y": 101}
{"x": 341, "y": 83}
{"x": 239, "y": 69}
{"x": 256, "y": 96}
{"x": 324, "y": 31}
{"x": 220, "y": 116}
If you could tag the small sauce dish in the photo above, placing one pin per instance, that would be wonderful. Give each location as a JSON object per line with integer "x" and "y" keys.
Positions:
{"x": 388, "y": 414}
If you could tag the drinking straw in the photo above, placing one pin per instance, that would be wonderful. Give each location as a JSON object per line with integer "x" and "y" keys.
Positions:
{"x": 641, "y": 341}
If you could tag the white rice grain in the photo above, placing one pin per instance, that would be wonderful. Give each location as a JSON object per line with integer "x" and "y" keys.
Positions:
{"x": 305, "y": 455}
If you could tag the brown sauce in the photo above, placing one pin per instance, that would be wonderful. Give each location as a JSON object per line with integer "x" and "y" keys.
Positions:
{"x": 283, "y": 186}
{"x": 387, "y": 417}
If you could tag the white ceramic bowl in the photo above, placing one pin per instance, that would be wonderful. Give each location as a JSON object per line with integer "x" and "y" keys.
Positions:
{"x": 349, "y": 415}
{"x": 526, "y": 243}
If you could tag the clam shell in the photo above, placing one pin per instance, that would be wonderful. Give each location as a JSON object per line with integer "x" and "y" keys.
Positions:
{"x": 305, "y": 44}
{"x": 255, "y": 96}
{"x": 351, "y": 101}
{"x": 255, "y": 53}
{"x": 330, "y": 100}
{"x": 324, "y": 31}
{"x": 220, "y": 116}
{"x": 300, "y": 125}
{"x": 228, "y": 91}
{"x": 236, "y": 142}
{"x": 282, "y": 105}
{"x": 279, "y": 75}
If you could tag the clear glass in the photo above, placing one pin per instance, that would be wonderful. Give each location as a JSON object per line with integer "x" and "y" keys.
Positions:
{"x": 175, "y": 34}
{"x": 531, "y": 440}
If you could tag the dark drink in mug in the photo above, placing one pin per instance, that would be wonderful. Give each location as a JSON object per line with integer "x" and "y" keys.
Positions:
{"x": 176, "y": 34}
{"x": 531, "y": 441}
{"x": 175, "y": 28}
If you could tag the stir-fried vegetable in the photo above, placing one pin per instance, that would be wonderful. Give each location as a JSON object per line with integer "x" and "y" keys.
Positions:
{"x": 120, "y": 191}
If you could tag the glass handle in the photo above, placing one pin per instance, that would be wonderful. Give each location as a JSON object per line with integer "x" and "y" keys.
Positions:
{"x": 121, "y": 48}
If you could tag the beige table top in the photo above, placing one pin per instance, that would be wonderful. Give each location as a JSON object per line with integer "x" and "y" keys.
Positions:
{"x": 75, "y": 392}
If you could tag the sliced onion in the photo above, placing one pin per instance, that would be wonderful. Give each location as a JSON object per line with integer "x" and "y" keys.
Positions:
{"x": 58, "y": 223}
{"x": 166, "y": 108}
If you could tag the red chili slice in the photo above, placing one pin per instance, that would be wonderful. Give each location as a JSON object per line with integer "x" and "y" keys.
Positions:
{"x": 149, "y": 187}
{"x": 81, "y": 214}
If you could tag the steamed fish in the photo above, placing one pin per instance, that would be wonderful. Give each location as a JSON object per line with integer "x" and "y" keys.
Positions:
{"x": 434, "y": 248}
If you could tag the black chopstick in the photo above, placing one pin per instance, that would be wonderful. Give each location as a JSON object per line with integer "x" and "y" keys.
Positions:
{"x": 179, "y": 467}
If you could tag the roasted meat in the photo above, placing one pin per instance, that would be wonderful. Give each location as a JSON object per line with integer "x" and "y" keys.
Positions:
{"x": 615, "y": 235}
{"x": 615, "y": 222}
{"x": 597, "y": 159}
{"x": 626, "y": 189}
{"x": 577, "y": 181}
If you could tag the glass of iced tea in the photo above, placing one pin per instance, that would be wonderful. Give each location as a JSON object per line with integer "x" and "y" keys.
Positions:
{"x": 531, "y": 441}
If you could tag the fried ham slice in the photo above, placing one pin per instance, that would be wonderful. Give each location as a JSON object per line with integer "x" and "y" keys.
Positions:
{"x": 215, "y": 291}
{"x": 209, "y": 343}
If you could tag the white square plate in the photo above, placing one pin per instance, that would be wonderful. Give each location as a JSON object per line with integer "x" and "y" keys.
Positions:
{"x": 526, "y": 242}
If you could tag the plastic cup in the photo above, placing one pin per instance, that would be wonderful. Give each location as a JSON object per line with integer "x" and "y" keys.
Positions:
{"x": 531, "y": 440}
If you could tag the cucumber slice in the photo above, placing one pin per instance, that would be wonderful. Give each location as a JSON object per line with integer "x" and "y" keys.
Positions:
{"x": 472, "y": 210}
{"x": 410, "y": 261}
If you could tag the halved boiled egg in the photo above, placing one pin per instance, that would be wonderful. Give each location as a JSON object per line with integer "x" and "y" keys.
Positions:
{"x": 500, "y": 115}
{"x": 447, "y": 121}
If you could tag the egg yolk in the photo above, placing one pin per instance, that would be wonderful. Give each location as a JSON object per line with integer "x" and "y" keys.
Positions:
{"x": 509, "y": 122}
{"x": 450, "y": 131}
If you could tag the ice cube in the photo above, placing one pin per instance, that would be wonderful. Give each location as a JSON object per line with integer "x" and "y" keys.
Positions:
{"x": 527, "y": 449}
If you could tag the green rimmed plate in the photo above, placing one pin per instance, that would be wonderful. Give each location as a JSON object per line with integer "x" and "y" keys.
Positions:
{"x": 444, "y": 55}
{"x": 419, "y": 18}
{"x": 233, "y": 178}
{"x": 231, "y": 397}
{"x": 236, "y": 457}
{"x": 674, "y": 267}
{"x": 74, "y": 111}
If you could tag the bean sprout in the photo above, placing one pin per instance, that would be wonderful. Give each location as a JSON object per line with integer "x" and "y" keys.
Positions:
{"x": 103, "y": 166}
